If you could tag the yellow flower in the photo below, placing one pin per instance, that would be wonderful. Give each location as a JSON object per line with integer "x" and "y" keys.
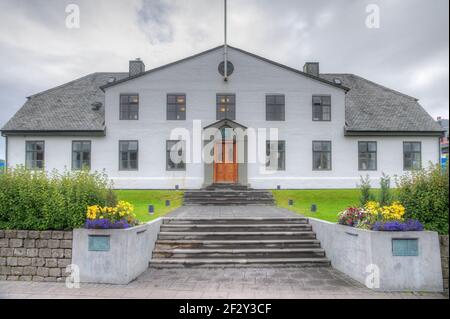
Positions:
{"x": 373, "y": 208}
{"x": 92, "y": 212}
{"x": 394, "y": 212}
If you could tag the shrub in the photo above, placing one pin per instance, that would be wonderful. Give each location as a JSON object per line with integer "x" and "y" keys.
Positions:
{"x": 35, "y": 200}
{"x": 385, "y": 198}
{"x": 409, "y": 225}
{"x": 366, "y": 194}
{"x": 425, "y": 196}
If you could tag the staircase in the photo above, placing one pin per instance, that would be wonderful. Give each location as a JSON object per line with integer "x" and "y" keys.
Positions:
{"x": 243, "y": 242}
{"x": 227, "y": 195}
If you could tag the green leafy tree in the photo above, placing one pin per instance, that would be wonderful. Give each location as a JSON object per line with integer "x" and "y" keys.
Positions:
{"x": 366, "y": 191}
{"x": 385, "y": 197}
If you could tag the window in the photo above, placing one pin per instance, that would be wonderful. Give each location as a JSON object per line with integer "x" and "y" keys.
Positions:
{"x": 322, "y": 156}
{"x": 129, "y": 107}
{"x": 276, "y": 150}
{"x": 226, "y": 107}
{"x": 34, "y": 154}
{"x": 81, "y": 155}
{"x": 128, "y": 155}
{"x": 412, "y": 156}
{"x": 275, "y": 107}
{"x": 175, "y": 156}
{"x": 176, "y": 107}
{"x": 367, "y": 156}
{"x": 321, "y": 108}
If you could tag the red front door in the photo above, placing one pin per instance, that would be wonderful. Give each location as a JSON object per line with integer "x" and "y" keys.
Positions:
{"x": 225, "y": 163}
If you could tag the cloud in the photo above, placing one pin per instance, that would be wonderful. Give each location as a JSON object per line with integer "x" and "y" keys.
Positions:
{"x": 408, "y": 53}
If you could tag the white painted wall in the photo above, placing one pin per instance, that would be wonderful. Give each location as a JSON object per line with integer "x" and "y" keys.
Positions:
{"x": 252, "y": 80}
{"x": 365, "y": 255}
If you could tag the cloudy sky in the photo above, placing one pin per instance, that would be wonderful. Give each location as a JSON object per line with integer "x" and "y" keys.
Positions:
{"x": 409, "y": 52}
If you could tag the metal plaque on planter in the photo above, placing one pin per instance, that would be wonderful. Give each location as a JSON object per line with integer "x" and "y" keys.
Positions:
{"x": 405, "y": 247}
{"x": 98, "y": 243}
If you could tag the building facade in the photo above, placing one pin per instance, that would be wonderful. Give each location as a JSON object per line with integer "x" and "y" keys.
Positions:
{"x": 331, "y": 128}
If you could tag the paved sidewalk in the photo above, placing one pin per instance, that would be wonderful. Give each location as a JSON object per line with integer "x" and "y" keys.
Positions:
{"x": 231, "y": 283}
{"x": 230, "y": 212}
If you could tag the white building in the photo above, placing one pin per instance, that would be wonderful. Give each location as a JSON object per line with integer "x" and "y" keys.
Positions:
{"x": 332, "y": 128}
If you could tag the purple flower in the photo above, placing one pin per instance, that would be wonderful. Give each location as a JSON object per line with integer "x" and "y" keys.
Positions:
{"x": 106, "y": 224}
{"x": 409, "y": 225}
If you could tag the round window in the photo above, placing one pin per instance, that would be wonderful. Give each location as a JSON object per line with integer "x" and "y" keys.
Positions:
{"x": 230, "y": 69}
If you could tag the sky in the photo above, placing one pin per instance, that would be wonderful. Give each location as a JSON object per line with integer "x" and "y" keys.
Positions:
{"x": 409, "y": 51}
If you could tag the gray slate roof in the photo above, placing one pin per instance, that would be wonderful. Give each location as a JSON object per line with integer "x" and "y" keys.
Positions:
{"x": 373, "y": 107}
{"x": 65, "y": 108}
{"x": 370, "y": 107}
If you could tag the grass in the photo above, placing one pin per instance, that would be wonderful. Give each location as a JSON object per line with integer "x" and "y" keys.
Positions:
{"x": 329, "y": 201}
{"x": 142, "y": 198}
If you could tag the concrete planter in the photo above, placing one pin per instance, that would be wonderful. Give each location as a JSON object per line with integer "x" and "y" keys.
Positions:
{"x": 372, "y": 257}
{"x": 114, "y": 256}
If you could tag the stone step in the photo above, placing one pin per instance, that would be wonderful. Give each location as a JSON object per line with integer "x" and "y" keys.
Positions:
{"x": 228, "y": 203}
{"x": 227, "y": 194}
{"x": 239, "y": 253}
{"x": 236, "y": 221}
{"x": 239, "y": 262}
{"x": 227, "y": 186}
{"x": 228, "y": 197}
{"x": 237, "y": 244}
{"x": 224, "y": 201}
{"x": 246, "y": 235}
{"x": 235, "y": 228}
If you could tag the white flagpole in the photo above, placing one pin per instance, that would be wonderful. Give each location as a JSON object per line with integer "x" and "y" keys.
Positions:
{"x": 225, "y": 66}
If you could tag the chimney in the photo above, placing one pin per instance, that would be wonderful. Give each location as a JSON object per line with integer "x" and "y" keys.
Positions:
{"x": 311, "y": 68}
{"x": 136, "y": 67}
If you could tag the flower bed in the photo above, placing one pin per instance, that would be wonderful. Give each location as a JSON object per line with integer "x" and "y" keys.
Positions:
{"x": 119, "y": 217}
{"x": 379, "y": 218}
{"x": 409, "y": 225}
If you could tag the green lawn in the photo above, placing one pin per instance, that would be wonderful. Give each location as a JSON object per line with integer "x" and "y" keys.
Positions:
{"x": 142, "y": 198}
{"x": 329, "y": 201}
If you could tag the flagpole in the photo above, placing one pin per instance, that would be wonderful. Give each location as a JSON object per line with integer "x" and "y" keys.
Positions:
{"x": 225, "y": 74}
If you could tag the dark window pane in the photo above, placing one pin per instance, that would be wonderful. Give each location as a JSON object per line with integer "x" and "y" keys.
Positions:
{"x": 276, "y": 150}
{"x": 176, "y": 107}
{"x": 34, "y": 154}
{"x": 412, "y": 156}
{"x": 322, "y": 155}
{"x": 367, "y": 153}
{"x": 226, "y": 108}
{"x": 128, "y": 155}
{"x": 321, "y": 108}
{"x": 275, "y": 108}
{"x": 129, "y": 107}
{"x": 175, "y": 151}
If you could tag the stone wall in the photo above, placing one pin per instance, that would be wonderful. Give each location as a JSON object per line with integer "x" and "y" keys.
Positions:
{"x": 444, "y": 257}
{"x": 34, "y": 255}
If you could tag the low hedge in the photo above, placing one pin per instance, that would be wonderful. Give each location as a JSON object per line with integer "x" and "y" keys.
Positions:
{"x": 424, "y": 194}
{"x": 35, "y": 200}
